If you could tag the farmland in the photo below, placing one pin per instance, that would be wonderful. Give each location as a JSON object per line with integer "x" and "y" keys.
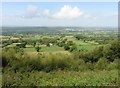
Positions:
{"x": 54, "y": 56}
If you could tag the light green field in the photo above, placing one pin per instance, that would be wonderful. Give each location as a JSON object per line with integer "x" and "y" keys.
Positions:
{"x": 52, "y": 48}
{"x": 80, "y": 45}
{"x": 85, "y": 46}
{"x": 12, "y": 45}
{"x": 88, "y": 47}
{"x": 79, "y": 42}
{"x": 29, "y": 49}
{"x": 45, "y": 48}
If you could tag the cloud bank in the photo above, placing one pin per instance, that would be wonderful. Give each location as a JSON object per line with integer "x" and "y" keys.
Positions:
{"x": 66, "y": 12}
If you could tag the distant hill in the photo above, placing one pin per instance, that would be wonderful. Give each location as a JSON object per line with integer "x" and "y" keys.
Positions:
{"x": 26, "y": 30}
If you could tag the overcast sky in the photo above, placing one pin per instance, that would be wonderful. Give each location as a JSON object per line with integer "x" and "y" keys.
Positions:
{"x": 59, "y": 14}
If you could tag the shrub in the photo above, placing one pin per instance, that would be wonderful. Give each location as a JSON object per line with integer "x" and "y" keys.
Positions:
{"x": 37, "y": 48}
{"x": 66, "y": 47}
{"x": 102, "y": 64}
{"x": 57, "y": 61}
{"x": 27, "y": 65}
{"x": 73, "y": 48}
{"x": 90, "y": 66}
{"x": 78, "y": 65}
{"x": 113, "y": 65}
{"x": 4, "y": 62}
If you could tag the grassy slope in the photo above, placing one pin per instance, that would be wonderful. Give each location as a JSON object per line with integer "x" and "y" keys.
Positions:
{"x": 62, "y": 78}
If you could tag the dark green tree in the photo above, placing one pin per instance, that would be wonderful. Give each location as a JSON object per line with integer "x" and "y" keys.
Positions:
{"x": 66, "y": 47}
{"x": 38, "y": 48}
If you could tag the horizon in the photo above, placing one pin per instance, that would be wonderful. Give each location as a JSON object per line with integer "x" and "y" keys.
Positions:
{"x": 68, "y": 26}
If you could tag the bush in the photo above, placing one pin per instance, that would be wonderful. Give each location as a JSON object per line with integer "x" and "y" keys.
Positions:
{"x": 27, "y": 65}
{"x": 66, "y": 47}
{"x": 113, "y": 65}
{"x": 57, "y": 61}
{"x": 73, "y": 48}
{"x": 4, "y": 62}
{"x": 102, "y": 64}
{"x": 38, "y": 48}
{"x": 78, "y": 65}
{"x": 90, "y": 66}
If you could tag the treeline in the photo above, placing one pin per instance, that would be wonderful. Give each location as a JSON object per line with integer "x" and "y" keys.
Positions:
{"x": 23, "y": 42}
{"x": 100, "y": 38}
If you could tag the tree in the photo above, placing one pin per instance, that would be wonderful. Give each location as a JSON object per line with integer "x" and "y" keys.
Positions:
{"x": 111, "y": 52}
{"x": 70, "y": 43}
{"x": 66, "y": 47}
{"x": 73, "y": 48}
{"x": 34, "y": 43}
{"x": 115, "y": 48}
{"x": 102, "y": 64}
{"x": 22, "y": 45}
{"x": 37, "y": 48}
{"x": 48, "y": 44}
{"x": 78, "y": 37}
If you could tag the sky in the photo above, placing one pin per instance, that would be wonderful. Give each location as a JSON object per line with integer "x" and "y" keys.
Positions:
{"x": 60, "y": 14}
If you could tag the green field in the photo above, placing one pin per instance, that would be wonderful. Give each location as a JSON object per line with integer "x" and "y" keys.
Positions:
{"x": 52, "y": 48}
{"x": 79, "y": 42}
{"x": 88, "y": 47}
{"x": 85, "y": 46}
{"x": 45, "y": 48}
{"x": 57, "y": 48}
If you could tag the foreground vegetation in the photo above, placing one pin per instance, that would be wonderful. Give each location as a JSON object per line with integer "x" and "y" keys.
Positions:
{"x": 59, "y": 68}
{"x": 60, "y": 60}
{"x": 61, "y": 78}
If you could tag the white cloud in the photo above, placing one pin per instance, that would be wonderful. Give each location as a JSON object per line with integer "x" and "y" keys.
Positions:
{"x": 31, "y": 11}
{"x": 68, "y": 12}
